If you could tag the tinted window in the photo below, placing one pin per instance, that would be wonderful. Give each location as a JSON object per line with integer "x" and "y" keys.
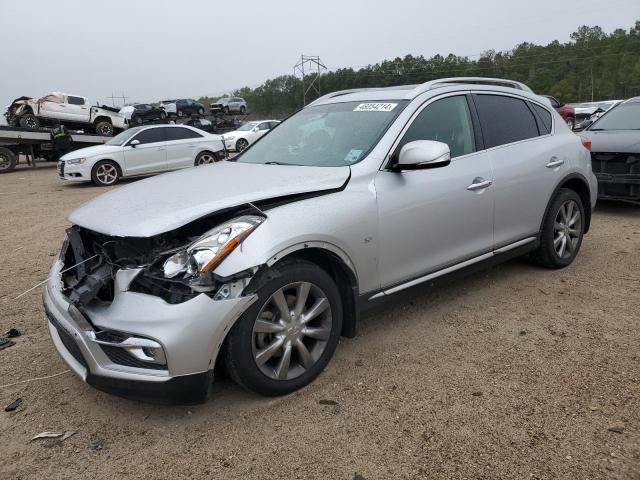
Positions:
{"x": 177, "y": 133}
{"x": 274, "y": 124}
{"x": 264, "y": 126}
{"x": 447, "y": 121}
{"x": 75, "y": 100}
{"x": 554, "y": 103}
{"x": 151, "y": 135}
{"x": 505, "y": 119}
{"x": 545, "y": 118}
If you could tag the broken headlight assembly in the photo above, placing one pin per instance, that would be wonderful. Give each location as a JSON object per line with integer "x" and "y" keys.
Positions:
{"x": 201, "y": 257}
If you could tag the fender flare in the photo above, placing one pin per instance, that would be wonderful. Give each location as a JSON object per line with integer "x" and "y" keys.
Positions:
{"x": 561, "y": 184}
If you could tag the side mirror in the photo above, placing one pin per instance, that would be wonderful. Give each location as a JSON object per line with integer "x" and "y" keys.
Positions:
{"x": 133, "y": 143}
{"x": 423, "y": 154}
{"x": 255, "y": 129}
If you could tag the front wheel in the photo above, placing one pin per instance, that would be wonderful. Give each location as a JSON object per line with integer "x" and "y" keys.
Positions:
{"x": 205, "y": 158}
{"x": 562, "y": 231}
{"x": 286, "y": 338}
{"x": 105, "y": 173}
{"x": 180, "y": 113}
{"x": 163, "y": 115}
{"x": 29, "y": 120}
{"x": 243, "y": 109}
{"x": 241, "y": 145}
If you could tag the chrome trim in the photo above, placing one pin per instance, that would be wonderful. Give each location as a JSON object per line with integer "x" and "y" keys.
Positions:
{"x": 511, "y": 246}
{"x": 452, "y": 268}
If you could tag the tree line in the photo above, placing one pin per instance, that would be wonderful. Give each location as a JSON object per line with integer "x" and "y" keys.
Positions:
{"x": 593, "y": 65}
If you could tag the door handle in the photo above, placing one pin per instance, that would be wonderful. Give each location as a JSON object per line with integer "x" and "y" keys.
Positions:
{"x": 479, "y": 183}
{"x": 555, "y": 162}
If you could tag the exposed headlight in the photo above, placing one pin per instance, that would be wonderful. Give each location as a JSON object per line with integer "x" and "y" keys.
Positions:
{"x": 211, "y": 248}
{"x": 227, "y": 139}
{"x": 75, "y": 161}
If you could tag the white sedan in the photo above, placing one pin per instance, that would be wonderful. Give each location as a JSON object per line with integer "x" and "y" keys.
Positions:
{"x": 141, "y": 151}
{"x": 248, "y": 133}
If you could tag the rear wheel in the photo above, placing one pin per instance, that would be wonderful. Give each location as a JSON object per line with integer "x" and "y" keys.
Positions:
{"x": 29, "y": 120}
{"x": 287, "y": 337}
{"x": 163, "y": 115}
{"x": 243, "y": 109}
{"x": 241, "y": 145}
{"x": 8, "y": 160}
{"x": 562, "y": 231}
{"x": 105, "y": 128}
{"x": 105, "y": 173}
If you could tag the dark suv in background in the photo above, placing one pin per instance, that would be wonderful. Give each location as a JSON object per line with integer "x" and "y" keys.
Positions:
{"x": 182, "y": 107}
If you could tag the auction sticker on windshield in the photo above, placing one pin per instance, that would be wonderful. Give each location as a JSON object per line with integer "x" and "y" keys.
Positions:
{"x": 375, "y": 107}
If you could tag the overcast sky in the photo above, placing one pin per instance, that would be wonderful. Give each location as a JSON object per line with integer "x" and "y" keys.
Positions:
{"x": 155, "y": 49}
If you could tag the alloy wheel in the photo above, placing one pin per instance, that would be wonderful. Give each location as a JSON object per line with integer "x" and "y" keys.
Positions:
{"x": 107, "y": 174}
{"x": 206, "y": 158}
{"x": 567, "y": 229}
{"x": 291, "y": 331}
{"x": 241, "y": 145}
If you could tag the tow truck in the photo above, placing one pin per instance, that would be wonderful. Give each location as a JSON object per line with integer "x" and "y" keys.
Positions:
{"x": 37, "y": 144}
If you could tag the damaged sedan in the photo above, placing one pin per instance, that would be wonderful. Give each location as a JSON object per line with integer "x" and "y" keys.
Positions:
{"x": 261, "y": 263}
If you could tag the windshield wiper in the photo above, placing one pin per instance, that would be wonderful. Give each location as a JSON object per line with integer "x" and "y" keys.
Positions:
{"x": 277, "y": 163}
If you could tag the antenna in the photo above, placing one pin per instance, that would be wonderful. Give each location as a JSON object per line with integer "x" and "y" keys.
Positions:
{"x": 309, "y": 68}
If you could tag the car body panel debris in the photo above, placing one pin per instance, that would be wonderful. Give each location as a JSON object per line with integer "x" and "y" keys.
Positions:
{"x": 13, "y": 405}
{"x": 6, "y": 343}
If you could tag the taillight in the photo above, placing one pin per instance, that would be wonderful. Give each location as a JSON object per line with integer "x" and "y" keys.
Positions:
{"x": 586, "y": 143}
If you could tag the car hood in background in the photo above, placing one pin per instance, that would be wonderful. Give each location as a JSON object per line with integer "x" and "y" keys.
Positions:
{"x": 613, "y": 141}
{"x": 92, "y": 151}
{"x": 166, "y": 202}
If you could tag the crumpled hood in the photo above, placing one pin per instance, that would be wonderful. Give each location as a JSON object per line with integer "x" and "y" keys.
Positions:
{"x": 91, "y": 151}
{"x": 166, "y": 202}
{"x": 614, "y": 141}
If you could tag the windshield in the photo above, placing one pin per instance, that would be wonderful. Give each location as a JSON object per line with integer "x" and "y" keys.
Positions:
{"x": 122, "y": 137}
{"x": 623, "y": 117}
{"x": 326, "y": 135}
{"x": 247, "y": 126}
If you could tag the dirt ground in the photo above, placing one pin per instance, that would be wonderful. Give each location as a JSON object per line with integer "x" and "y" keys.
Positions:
{"x": 513, "y": 373}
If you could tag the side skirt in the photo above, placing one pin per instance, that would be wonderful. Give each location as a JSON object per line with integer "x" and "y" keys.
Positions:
{"x": 452, "y": 273}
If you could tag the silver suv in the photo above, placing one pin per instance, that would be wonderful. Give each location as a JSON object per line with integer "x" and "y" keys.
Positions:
{"x": 263, "y": 262}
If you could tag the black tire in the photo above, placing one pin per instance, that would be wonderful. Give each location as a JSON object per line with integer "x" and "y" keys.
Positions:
{"x": 238, "y": 350}
{"x": 163, "y": 115}
{"x": 180, "y": 113}
{"x": 205, "y": 158}
{"x": 241, "y": 145}
{"x": 99, "y": 173}
{"x": 8, "y": 160}
{"x": 29, "y": 120}
{"x": 243, "y": 109}
{"x": 547, "y": 254}
{"x": 138, "y": 120}
{"x": 201, "y": 111}
{"x": 226, "y": 110}
{"x": 104, "y": 128}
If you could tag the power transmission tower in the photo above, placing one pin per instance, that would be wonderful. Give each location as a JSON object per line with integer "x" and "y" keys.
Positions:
{"x": 114, "y": 97}
{"x": 309, "y": 69}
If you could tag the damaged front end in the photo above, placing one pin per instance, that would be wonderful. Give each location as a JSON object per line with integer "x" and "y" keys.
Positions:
{"x": 618, "y": 176}
{"x": 15, "y": 110}
{"x": 146, "y": 317}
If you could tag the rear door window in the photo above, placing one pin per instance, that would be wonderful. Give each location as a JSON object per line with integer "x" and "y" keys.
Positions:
{"x": 151, "y": 135}
{"x": 505, "y": 119}
{"x": 179, "y": 133}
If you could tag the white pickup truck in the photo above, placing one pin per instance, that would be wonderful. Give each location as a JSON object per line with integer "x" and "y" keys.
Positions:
{"x": 73, "y": 111}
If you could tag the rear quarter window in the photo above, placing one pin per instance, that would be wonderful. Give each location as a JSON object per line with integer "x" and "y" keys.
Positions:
{"x": 505, "y": 119}
{"x": 545, "y": 118}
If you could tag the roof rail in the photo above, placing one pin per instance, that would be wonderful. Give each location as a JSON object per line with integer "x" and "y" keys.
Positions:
{"x": 473, "y": 80}
{"x": 339, "y": 93}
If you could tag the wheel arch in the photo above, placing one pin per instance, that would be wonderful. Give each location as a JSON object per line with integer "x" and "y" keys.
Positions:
{"x": 119, "y": 165}
{"x": 102, "y": 118}
{"x": 579, "y": 184}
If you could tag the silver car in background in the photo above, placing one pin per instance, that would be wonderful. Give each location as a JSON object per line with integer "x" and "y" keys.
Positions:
{"x": 263, "y": 262}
